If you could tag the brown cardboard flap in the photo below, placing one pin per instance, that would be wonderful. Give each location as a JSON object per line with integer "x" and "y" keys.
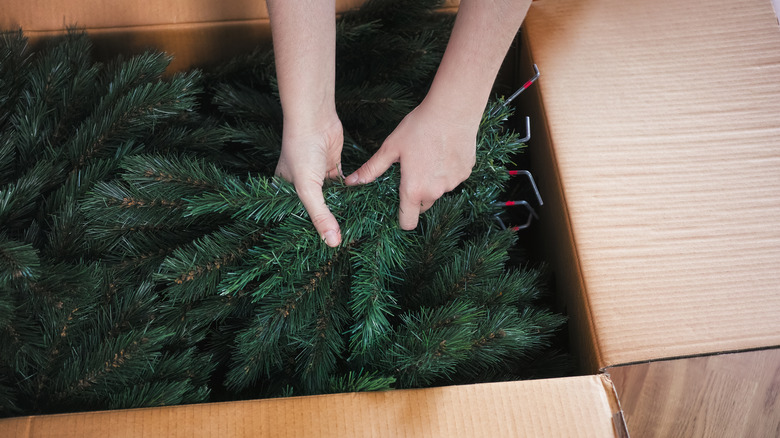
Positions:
{"x": 568, "y": 407}
{"x": 198, "y": 33}
{"x": 664, "y": 123}
{"x": 56, "y": 15}
{"x": 191, "y": 45}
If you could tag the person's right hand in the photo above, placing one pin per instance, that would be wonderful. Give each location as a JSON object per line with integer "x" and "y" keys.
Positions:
{"x": 311, "y": 153}
{"x": 436, "y": 151}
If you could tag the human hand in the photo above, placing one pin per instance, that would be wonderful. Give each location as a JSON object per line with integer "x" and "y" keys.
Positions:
{"x": 436, "y": 152}
{"x": 436, "y": 143}
{"x": 309, "y": 155}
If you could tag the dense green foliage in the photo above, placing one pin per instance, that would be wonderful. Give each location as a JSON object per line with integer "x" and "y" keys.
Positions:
{"x": 149, "y": 257}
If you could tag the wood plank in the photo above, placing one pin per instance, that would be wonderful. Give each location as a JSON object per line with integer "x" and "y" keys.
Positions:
{"x": 729, "y": 395}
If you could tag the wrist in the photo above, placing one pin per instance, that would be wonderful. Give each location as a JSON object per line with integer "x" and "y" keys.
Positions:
{"x": 455, "y": 110}
{"x": 307, "y": 112}
{"x": 298, "y": 124}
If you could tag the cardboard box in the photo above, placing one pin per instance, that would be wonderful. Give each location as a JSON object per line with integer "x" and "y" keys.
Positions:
{"x": 662, "y": 126}
{"x": 655, "y": 141}
{"x": 195, "y": 32}
{"x": 577, "y": 406}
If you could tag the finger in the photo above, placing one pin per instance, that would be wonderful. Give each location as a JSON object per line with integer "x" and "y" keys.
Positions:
{"x": 425, "y": 205}
{"x": 335, "y": 173}
{"x": 321, "y": 217}
{"x": 373, "y": 168}
{"x": 409, "y": 212}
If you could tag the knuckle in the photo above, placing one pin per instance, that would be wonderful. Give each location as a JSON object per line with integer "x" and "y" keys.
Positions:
{"x": 409, "y": 193}
{"x": 464, "y": 174}
{"x": 320, "y": 219}
{"x": 368, "y": 169}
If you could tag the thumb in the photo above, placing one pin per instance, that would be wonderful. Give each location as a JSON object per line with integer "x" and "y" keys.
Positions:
{"x": 321, "y": 217}
{"x": 373, "y": 168}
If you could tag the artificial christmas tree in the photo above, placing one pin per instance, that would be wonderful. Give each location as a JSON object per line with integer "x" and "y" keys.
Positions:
{"x": 150, "y": 257}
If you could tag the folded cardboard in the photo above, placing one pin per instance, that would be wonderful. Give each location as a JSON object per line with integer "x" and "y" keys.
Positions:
{"x": 654, "y": 136}
{"x": 55, "y": 15}
{"x": 662, "y": 124}
{"x": 195, "y": 32}
{"x": 570, "y": 407}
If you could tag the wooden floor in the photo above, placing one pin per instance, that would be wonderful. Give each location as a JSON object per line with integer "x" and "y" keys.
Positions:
{"x": 730, "y": 396}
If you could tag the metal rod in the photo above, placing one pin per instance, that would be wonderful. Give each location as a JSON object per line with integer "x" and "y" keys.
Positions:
{"x": 531, "y": 179}
{"x": 524, "y": 87}
{"x": 527, "y": 130}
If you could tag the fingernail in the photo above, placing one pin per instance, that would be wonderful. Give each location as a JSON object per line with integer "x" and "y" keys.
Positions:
{"x": 352, "y": 179}
{"x": 331, "y": 238}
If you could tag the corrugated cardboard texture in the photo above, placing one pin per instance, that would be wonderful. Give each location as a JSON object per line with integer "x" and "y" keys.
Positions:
{"x": 570, "y": 407}
{"x": 55, "y": 15}
{"x": 197, "y": 33}
{"x": 664, "y": 121}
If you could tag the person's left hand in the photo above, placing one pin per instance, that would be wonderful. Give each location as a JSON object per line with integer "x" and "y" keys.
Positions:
{"x": 309, "y": 155}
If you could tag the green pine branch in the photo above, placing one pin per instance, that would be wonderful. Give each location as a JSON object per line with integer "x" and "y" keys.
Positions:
{"x": 195, "y": 270}
{"x": 14, "y": 59}
{"x": 431, "y": 342}
{"x": 106, "y": 130}
{"x": 152, "y": 258}
{"x": 360, "y": 381}
{"x": 472, "y": 265}
{"x": 19, "y": 260}
{"x": 20, "y": 199}
{"x": 56, "y": 86}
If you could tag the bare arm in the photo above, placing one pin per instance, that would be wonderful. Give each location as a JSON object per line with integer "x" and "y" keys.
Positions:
{"x": 304, "y": 37}
{"x": 483, "y": 32}
{"x": 436, "y": 142}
